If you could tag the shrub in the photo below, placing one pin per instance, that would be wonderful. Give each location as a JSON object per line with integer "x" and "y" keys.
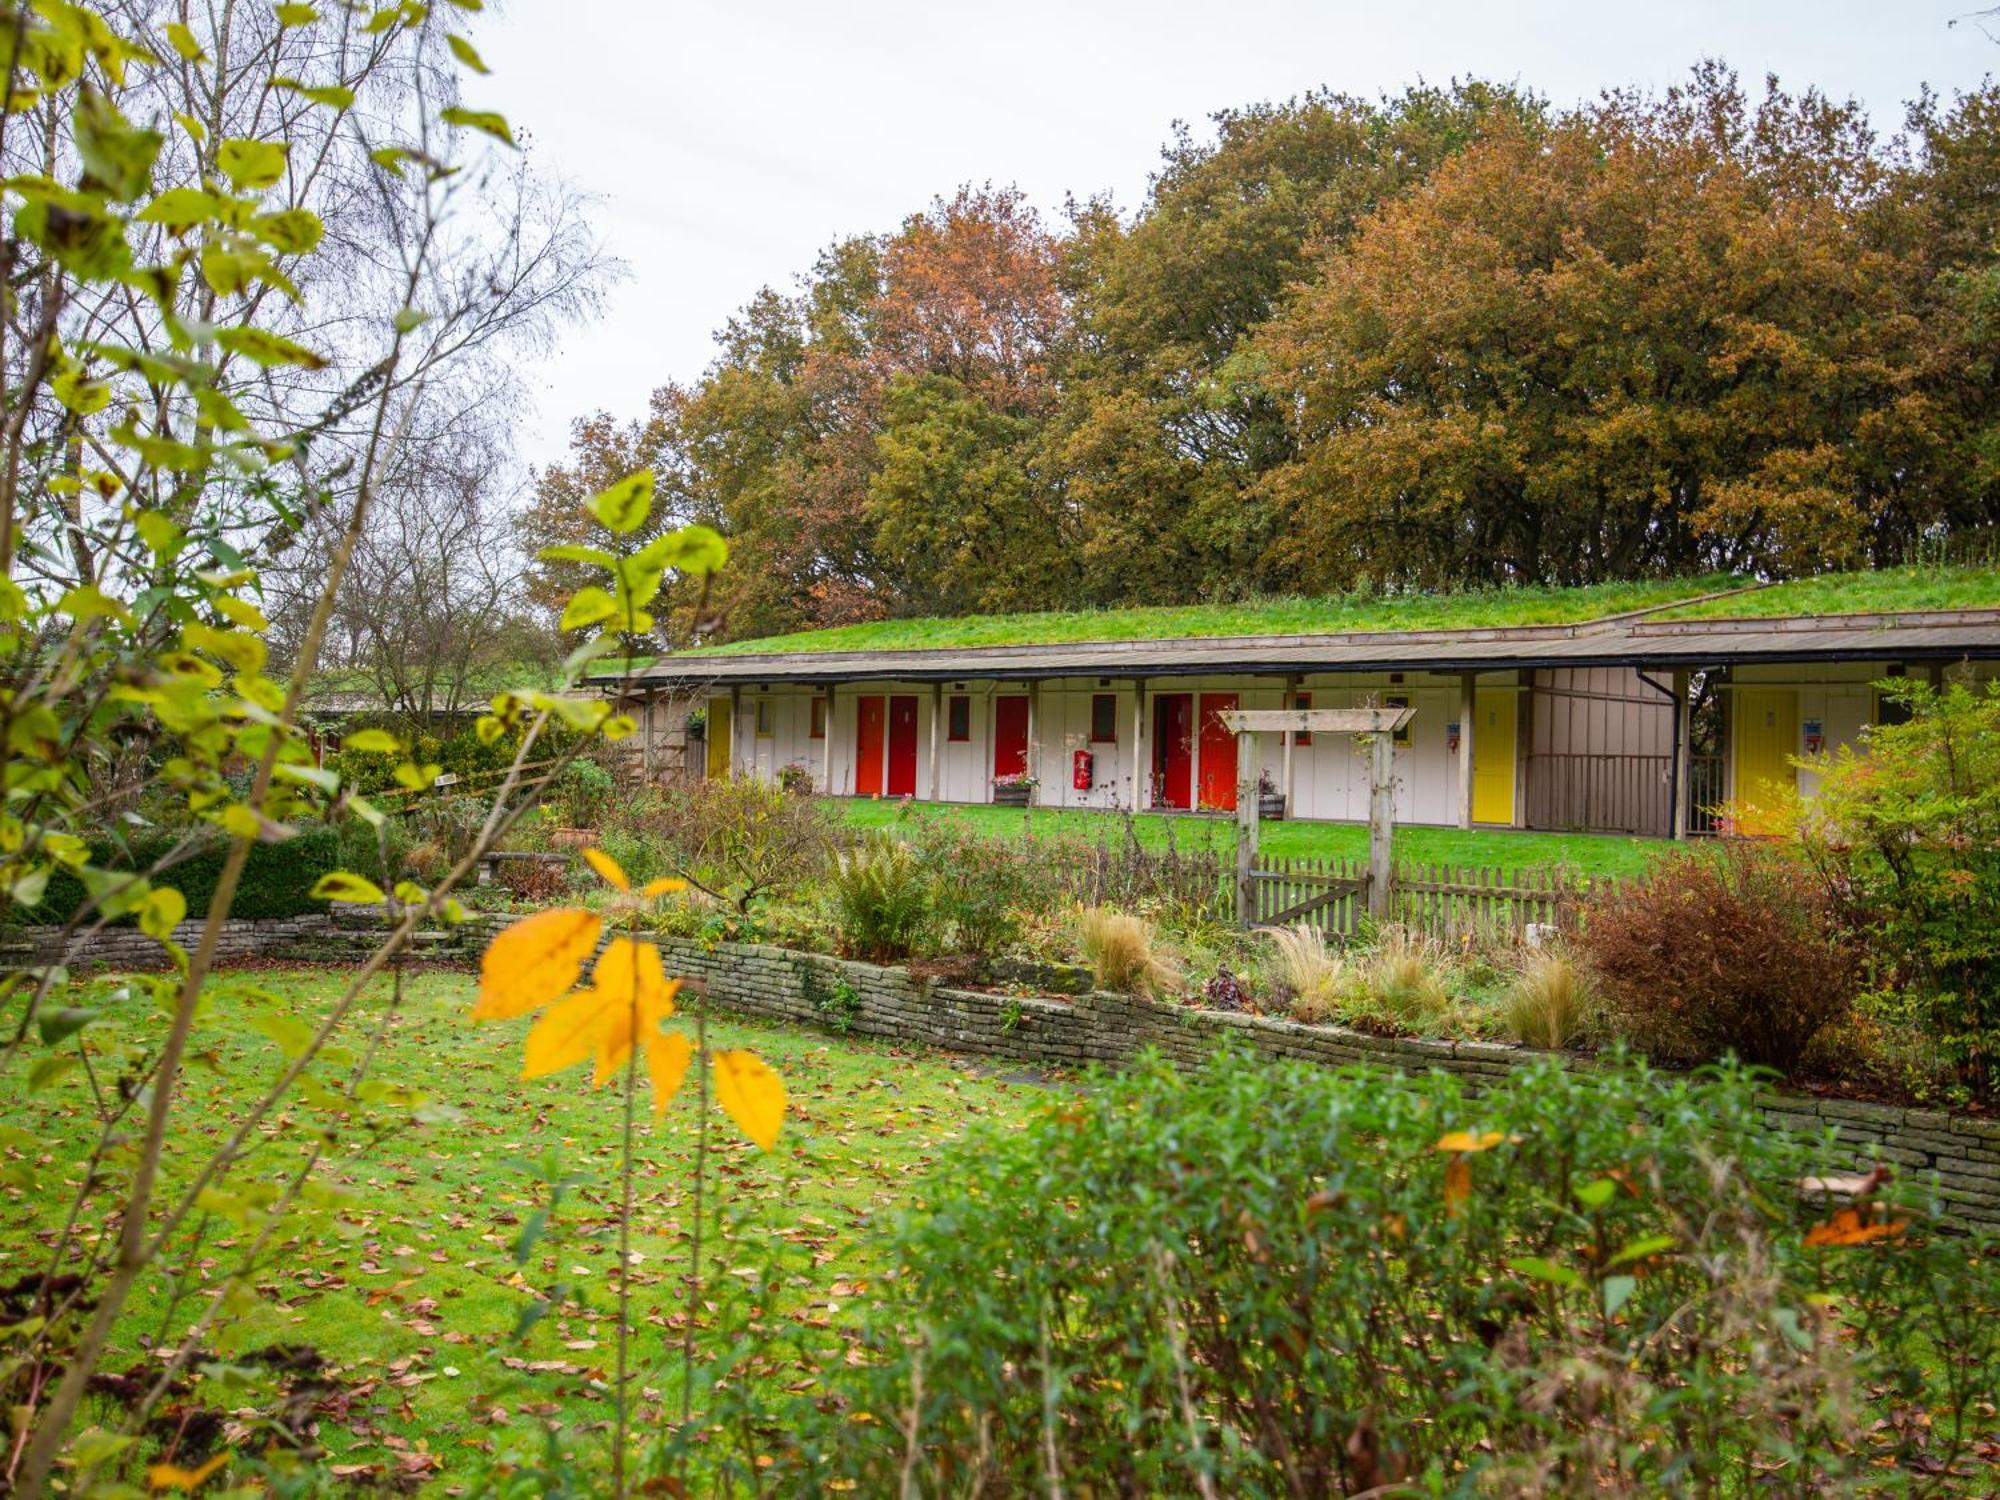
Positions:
{"x": 1263, "y": 1280}
{"x": 739, "y": 840}
{"x": 276, "y": 882}
{"x": 1308, "y": 975}
{"x": 1732, "y": 949}
{"x": 580, "y": 794}
{"x": 1119, "y": 949}
{"x": 1908, "y": 835}
{"x": 981, "y": 890}
{"x": 1549, "y": 1003}
{"x": 882, "y": 900}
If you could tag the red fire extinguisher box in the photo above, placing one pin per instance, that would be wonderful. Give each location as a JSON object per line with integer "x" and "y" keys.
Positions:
{"x": 1080, "y": 765}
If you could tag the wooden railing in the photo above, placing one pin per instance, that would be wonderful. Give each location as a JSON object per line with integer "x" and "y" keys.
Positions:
{"x": 1447, "y": 901}
{"x": 1601, "y": 793}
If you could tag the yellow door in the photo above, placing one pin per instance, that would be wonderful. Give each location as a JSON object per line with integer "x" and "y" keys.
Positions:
{"x": 719, "y": 726}
{"x": 1766, "y": 734}
{"x": 1494, "y": 736}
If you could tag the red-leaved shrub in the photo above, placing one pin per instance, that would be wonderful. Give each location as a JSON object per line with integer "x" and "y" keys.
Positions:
{"x": 1736, "y": 948}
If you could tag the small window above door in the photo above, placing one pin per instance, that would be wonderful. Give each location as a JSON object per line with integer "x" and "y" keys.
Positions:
{"x": 1104, "y": 718}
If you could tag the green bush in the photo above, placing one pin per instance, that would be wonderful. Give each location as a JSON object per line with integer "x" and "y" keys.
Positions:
{"x": 275, "y": 882}
{"x": 882, "y": 901}
{"x": 1268, "y": 1280}
{"x": 1908, "y": 834}
{"x": 980, "y": 889}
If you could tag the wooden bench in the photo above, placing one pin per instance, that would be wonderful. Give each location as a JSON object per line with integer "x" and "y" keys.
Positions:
{"x": 489, "y": 862}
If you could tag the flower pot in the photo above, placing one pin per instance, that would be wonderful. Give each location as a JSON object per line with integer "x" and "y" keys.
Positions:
{"x": 1013, "y": 794}
{"x": 1271, "y": 807}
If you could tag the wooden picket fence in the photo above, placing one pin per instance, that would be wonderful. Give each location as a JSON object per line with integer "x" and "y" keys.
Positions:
{"x": 1453, "y": 902}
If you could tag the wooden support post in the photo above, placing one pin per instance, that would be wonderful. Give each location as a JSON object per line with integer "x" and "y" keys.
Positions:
{"x": 1381, "y": 822}
{"x": 646, "y": 738}
{"x": 1291, "y": 700}
{"x": 826, "y": 747}
{"x": 1034, "y": 737}
{"x": 1468, "y": 711}
{"x": 1683, "y": 739}
{"x": 1139, "y": 777}
{"x": 1246, "y": 828}
{"x": 937, "y": 738}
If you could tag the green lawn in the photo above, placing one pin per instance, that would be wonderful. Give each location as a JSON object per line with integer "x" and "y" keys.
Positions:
{"x": 407, "y": 1280}
{"x": 1858, "y": 593}
{"x": 1583, "y": 853}
{"x": 1469, "y": 609}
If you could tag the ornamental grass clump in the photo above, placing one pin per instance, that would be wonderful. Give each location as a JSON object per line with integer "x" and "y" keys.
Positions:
{"x": 1402, "y": 983}
{"x": 1549, "y": 1003}
{"x": 1305, "y": 971}
{"x": 1119, "y": 949}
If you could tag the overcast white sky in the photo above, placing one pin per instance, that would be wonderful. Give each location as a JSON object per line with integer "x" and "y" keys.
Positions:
{"x": 730, "y": 142}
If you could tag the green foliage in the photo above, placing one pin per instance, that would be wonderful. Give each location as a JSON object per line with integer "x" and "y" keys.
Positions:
{"x": 277, "y": 879}
{"x": 1909, "y": 831}
{"x": 739, "y": 840}
{"x": 1735, "y": 949}
{"x": 882, "y": 901}
{"x": 1276, "y": 1280}
{"x": 580, "y": 794}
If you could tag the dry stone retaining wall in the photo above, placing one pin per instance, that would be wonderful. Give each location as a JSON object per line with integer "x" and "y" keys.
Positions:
{"x": 128, "y": 948}
{"x": 892, "y": 1004}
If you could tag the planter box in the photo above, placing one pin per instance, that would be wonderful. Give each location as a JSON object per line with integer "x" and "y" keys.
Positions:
{"x": 1014, "y": 795}
{"x": 1271, "y": 807}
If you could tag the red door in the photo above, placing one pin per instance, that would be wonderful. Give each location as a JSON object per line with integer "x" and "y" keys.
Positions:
{"x": 903, "y": 747}
{"x": 868, "y": 716}
{"x": 1218, "y": 753}
{"x": 1010, "y": 735}
{"x": 1173, "y": 749}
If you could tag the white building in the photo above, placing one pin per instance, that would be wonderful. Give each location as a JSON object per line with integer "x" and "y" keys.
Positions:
{"x": 1588, "y": 727}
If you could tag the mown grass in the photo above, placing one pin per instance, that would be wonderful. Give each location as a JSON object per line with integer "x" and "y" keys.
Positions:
{"x": 407, "y": 1280}
{"x": 1582, "y": 853}
{"x": 1469, "y": 609}
{"x": 1857, "y": 593}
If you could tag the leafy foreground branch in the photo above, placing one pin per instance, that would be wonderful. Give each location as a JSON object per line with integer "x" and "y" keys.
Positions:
{"x": 1279, "y": 1281}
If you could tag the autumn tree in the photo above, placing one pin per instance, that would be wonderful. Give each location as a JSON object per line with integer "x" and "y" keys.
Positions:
{"x": 1657, "y": 336}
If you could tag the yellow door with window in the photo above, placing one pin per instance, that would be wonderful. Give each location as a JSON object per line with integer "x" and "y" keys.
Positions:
{"x": 1766, "y": 734}
{"x": 719, "y": 727}
{"x": 1495, "y": 736}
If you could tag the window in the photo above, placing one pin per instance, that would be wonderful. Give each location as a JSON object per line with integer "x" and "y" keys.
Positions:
{"x": 1104, "y": 718}
{"x": 818, "y": 717}
{"x": 958, "y": 719}
{"x": 1302, "y": 736}
{"x": 1400, "y": 700}
{"x": 764, "y": 719}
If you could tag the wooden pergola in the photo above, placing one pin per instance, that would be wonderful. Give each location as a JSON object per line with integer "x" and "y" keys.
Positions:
{"x": 1378, "y": 725}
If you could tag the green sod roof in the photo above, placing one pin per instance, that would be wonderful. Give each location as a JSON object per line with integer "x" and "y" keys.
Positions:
{"x": 1333, "y": 615}
{"x": 1891, "y": 590}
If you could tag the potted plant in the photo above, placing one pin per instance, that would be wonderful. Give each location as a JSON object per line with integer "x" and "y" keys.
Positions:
{"x": 1016, "y": 789}
{"x": 1270, "y": 801}
{"x": 697, "y": 724}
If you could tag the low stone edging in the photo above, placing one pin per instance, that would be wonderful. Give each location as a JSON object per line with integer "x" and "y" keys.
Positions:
{"x": 124, "y": 947}
{"x": 891, "y": 1004}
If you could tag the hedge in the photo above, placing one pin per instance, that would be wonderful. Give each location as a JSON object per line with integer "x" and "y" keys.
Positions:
{"x": 275, "y": 882}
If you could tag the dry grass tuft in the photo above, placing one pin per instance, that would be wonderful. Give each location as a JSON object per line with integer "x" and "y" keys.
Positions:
{"x": 1119, "y": 949}
{"x": 1550, "y": 1003}
{"x": 1303, "y": 968}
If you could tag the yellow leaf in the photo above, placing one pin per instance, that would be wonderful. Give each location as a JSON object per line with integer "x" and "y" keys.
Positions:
{"x": 173, "y": 1477}
{"x": 1457, "y": 1183}
{"x": 667, "y": 1055}
{"x": 533, "y": 961}
{"x": 607, "y": 869}
{"x": 753, "y": 1095}
{"x": 629, "y": 975}
{"x": 661, "y": 887}
{"x": 1465, "y": 1140}
{"x": 567, "y": 1033}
